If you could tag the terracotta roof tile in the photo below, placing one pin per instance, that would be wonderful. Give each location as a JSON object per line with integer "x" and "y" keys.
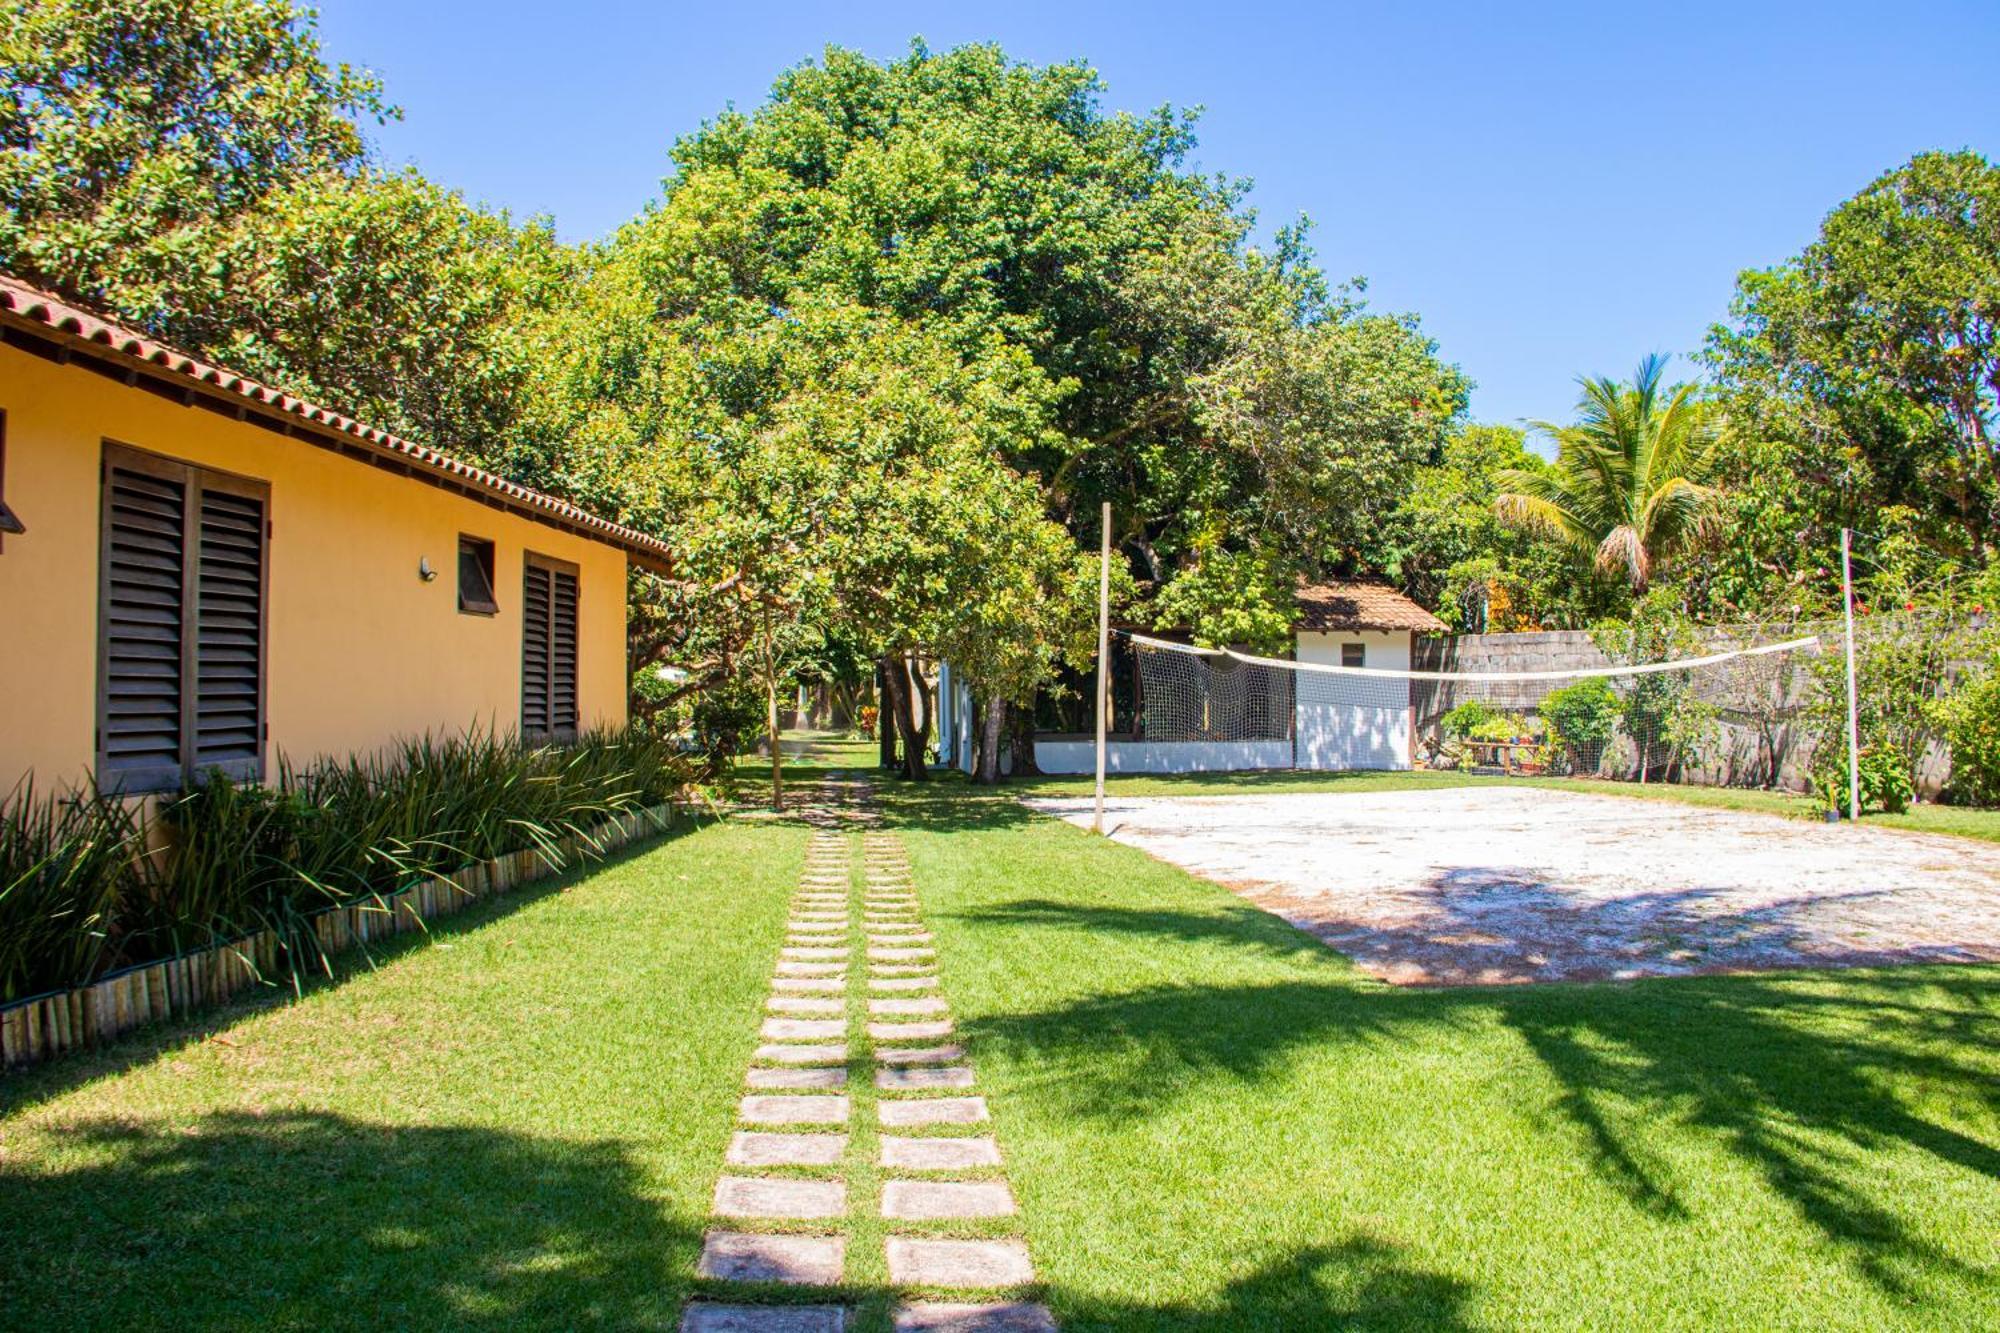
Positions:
{"x": 33, "y": 306}
{"x": 1360, "y": 605}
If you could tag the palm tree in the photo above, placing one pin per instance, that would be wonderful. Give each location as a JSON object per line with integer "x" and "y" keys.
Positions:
{"x": 1630, "y": 484}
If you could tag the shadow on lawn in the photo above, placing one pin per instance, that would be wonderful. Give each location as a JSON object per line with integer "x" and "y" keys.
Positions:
{"x": 316, "y": 1220}
{"x": 1793, "y": 1075}
{"x": 1361, "y": 1283}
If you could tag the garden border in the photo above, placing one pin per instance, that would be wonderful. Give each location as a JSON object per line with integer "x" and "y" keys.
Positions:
{"x": 54, "y": 1023}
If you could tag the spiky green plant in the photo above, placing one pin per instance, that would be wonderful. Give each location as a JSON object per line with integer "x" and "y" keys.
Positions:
{"x": 66, "y": 871}
{"x": 1631, "y": 484}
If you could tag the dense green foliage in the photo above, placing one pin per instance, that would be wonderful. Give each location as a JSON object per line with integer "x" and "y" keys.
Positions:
{"x": 86, "y": 886}
{"x": 1583, "y": 717}
{"x": 1629, "y": 484}
{"x": 199, "y": 170}
{"x": 1874, "y": 357}
{"x": 1970, "y": 721}
{"x": 885, "y": 342}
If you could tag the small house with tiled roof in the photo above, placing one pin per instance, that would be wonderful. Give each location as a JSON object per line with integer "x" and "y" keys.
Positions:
{"x": 199, "y": 572}
{"x": 1303, "y": 722}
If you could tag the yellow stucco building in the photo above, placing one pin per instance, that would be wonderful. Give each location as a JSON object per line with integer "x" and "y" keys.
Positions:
{"x": 198, "y": 571}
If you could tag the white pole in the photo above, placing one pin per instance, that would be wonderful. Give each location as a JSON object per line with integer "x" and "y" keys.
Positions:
{"x": 1103, "y": 651}
{"x": 1853, "y": 706}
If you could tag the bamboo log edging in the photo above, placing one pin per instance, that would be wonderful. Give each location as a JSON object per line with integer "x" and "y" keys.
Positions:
{"x": 42, "y": 1027}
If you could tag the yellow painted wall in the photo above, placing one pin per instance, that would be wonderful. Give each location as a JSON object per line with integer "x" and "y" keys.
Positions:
{"x": 361, "y": 650}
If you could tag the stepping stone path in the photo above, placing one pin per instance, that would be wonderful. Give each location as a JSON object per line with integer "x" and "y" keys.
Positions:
{"x": 782, "y": 1203}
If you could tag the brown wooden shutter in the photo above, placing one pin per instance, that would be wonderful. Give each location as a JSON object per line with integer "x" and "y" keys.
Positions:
{"x": 181, "y": 651}
{"x": 548, "y": 649}
{"x": 143, "y": 596}
{"x": 229, "y": 618}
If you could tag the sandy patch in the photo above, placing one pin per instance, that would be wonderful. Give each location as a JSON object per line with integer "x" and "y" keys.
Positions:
{"x": 1495, "y": 884}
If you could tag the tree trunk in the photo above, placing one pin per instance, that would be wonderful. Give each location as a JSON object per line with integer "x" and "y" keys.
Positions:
{"x": 989, "y": 740}
{"x": 916, "y": 735}
{"x": 771, "y": 716}
{"x": 885, "y": 714}
{"x": 1021, "y": 741}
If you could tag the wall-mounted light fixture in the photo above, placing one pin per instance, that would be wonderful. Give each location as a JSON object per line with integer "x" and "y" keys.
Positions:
{"x": 425, "y": 572}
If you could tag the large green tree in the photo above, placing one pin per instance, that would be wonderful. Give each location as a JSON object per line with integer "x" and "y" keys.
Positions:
{"x": 1630, "y": 485}
{"x": 198, "y": 168}
{"x": 1872, "y": 363}
{"x": 1220, "y": 396}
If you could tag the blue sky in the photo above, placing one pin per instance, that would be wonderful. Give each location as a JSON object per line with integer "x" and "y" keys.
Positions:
{"x": 1554, "y": 190}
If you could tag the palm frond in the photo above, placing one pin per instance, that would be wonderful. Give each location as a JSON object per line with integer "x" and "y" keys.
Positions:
{"x": 1623, "y": 551}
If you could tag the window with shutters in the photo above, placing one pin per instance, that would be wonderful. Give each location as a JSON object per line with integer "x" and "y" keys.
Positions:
{"x": 181, "y": 623}
{"x": 548, "y": 649}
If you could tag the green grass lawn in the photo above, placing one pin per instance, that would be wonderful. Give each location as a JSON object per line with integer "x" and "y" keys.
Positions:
{"x": 1211, "y": 1121}
{"x": 1928, "y": 818}
{"x": 518, "y": 1124}
{"x": 1214, "y": 1122}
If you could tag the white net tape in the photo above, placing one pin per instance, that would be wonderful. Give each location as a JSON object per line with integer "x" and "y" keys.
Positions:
{"x": 1731, "y": 715}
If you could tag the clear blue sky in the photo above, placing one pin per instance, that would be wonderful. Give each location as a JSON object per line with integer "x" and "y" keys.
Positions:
{"x": 1555, "y": 190}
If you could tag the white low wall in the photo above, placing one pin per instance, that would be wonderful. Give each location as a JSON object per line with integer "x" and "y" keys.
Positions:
{"x": 1162, "y": 756}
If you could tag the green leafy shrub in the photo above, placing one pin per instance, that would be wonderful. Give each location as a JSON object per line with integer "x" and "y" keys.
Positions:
{"x": 1582, "y": 718}
{"x": 1466, "y": 721}
{"x": 1970, "y": 719}
{"x": 237, "y": 858}
{"x": 66, "y": 872}
{"x": 1885, "y": 784}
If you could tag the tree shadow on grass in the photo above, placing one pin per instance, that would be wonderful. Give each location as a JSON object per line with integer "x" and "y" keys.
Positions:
{"x": 24, "y": 1088}
{"x": 1797, "y": 1076}
{"x": 1360, "y": 1283}
{"x": 312, "y": 1220}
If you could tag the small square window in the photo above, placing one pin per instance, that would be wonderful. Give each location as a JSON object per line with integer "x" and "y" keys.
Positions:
{"x": 475, "y": 577}
{"x": 1353, "y": 655}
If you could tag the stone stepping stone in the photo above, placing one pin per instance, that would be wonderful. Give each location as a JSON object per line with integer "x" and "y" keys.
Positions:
{"x": 778, "y": 1053}
{"x": 752, "y": 1147}
{"x": 799, "y": 1004}
{"x": 925, "y": 1031}
{"x": 803, "y": 1029}
{"x": 942, "y": 1317}
{"x": 809, "y": 983}
{"x": 883, "y": 955}
{"x": 933, "y": 1076}
{"x": 899, "y": 941}
{"x": 901, "y": 983}
{"x": 815, "y": 934}
{"x": 819, "y": 918}
{"x": 932, "y": 1111}
{"x": 764, "y": 1196}
{"x": 903, "y": 927}
{"x": 958, "y": 1263}
{"x": 807, "y": 1110}
{"x": 797, "y": 1078}
{"x": 931, "y": 1200}
{"x": 900, "y": 969}
{"x": 809, "y": 953}
{"x": 789, "y": 968}
{"x": 732, "y": 1256}
{"x": 905, "y": 1154}
{"x": 713, "y": 1317}
{"x": 919, "y": 1055}
{"x": 923, "y": 1004}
